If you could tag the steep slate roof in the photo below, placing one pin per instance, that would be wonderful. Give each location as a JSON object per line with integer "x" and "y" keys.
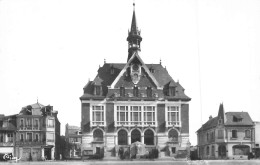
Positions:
{"x": 36, "y": 109}
{"x": 11, "y": 125}
{"x": 246, "y": 119}
{"x": 209, "y": 124}
{"x": 105, "y": 78}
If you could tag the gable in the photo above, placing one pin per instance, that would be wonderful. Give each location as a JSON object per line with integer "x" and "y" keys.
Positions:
{"x": 135, "y": 59}
{"x": 126, "y": 81}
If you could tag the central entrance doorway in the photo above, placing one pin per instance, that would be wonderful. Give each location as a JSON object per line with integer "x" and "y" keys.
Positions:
{"x": 135, "y": 136}
{"x": 222, "y": 151}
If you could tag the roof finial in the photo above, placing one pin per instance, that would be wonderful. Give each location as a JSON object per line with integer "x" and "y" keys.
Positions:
{"x": 134, "y": 4}
{"x": 104, "y": 60}
{"x": 160, "y": 61}
{"x": 37, "y": 99}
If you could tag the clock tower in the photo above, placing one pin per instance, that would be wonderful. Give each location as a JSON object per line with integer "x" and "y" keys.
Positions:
{"x": 134, "y": 38}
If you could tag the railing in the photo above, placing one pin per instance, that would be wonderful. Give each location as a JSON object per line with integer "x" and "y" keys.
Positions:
{"x": 29, "y": 128}
{"x": 6, "y": 144}
{"x": 97, "y": 123}
{"x": 27, "y": 142}
{"x": 172, "y": 123}
{"x": 134, "y": 123}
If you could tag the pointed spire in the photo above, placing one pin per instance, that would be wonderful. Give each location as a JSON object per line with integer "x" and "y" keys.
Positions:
{"x": 134, "y": 38}
{"x": 134, "y": 23}
{"x": 221, "y": 111}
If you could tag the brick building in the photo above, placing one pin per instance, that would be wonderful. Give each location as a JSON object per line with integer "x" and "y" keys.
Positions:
{"x": 228, "y": 135}
{"x": 134, "y": 101}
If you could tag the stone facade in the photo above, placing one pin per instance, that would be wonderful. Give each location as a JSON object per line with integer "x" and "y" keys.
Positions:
{"x": 134, "y": 102}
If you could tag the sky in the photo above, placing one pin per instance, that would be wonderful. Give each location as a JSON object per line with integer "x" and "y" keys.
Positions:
{"x": 49, "y": 49}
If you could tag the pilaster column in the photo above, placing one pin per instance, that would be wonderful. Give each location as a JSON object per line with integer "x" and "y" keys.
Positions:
{"x": 142, "y": 139}
{"x": 52, "y": 153}
{"x": 42, "y": 153}
{"x": 129, "y": 140}
{"x": 116, "y": 140}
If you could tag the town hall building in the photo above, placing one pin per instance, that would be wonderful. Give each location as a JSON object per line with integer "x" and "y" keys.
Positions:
{"x": 134, "y": 101}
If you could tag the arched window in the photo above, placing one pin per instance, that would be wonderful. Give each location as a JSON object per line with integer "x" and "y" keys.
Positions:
{"x": 173, "y": 135}
{"x": 122, "y": 137}
{"x": 98, "y": 135}
{"x": 135, "y": 136}
{"x": 207, "y": 150}
{"x": 213, "y": 151}
{"x": 149, "y": 137}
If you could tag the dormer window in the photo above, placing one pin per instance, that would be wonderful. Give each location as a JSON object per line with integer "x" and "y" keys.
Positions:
{"x": 122, "y": 91}
{"x": 151, "y": 70}
{"x": 172, "y": 91}
{"x": 149, "y": 91}
{"x": 237, "y": 118}
{"x": 135, "y": 91}
{"x": 97, "y": 90}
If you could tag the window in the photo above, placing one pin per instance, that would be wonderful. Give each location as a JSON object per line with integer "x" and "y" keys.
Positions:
{"x": 36, "y": 123}
{"x": 135, "y": 113}
{"x": 220, "y": 134}
{"x": 29, "y": 137}
{"x": 149, "y": 92}
{"x": 149, "y": 115}
{"x": 122, "y": 137}
{"x": 237, "y": 118}
{"x": 135, "y": 91}
{"x": 98, "y": 90}
{"x": 173, "y": 115}
{"x": 173, "y": 150}
{"x": 172, "y": 91}
{"x": 234, "y": 133}
{"x": 207, "y": 150}
{"x": 173, "y": 135}
{"x": 50, "y": 137}
{"x": 98, "y": 135}
{"x": 1, "y": 137}
{"x": 247, "y": 134}
{"x": 213, "y": 151}
{"x": 50, "y": 123}
{"x": 9, "y": 137}
{"x": 36, "y": 138}
{"x": 98, "y": 115}
{"x": 21, "y": 123}
{"x": 149, "y": 137}
{"x": 122, "y": 91}
{"x": 241, "y": 150}
{"x": 21, "y": 137}
{"x": 122, "y": 114}
{"x": 29, "y": 123}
